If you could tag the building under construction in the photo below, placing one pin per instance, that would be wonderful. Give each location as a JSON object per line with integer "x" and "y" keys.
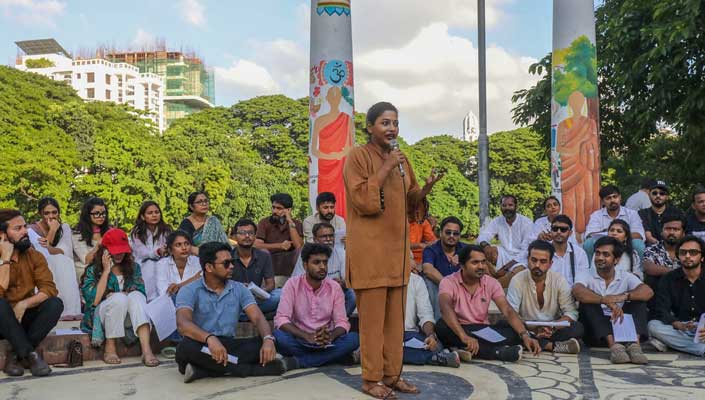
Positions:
{"x": 190, "y": 86}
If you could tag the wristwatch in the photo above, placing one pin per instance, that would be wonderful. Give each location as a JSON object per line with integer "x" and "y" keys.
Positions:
{"x": 524, "y": 333}
{"x": 270, "y": 337}
{"x": 292, "y": 225}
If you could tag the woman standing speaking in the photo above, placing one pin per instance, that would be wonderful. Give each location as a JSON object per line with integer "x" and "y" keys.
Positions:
{"x": 379, "y": 183}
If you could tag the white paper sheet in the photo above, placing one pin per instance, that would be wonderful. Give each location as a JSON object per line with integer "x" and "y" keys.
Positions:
{"x": 415, "y": 343}
{"x": 701, "y": 325}
{"x": 163, "y": 315}
{"x": 548, "y": 323}
{"x": 489, "y": 335}
{"x": 231, "y": 358}
{"x": 258, "y": 291}
{"x": 66, "y": 332}
{"x": 626, "y": 331}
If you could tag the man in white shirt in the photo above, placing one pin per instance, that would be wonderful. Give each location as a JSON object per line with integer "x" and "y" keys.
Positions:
{"x": 541, "y": 295}
{"x": 640, "y": 199}
{"x": 611, "y": 209}
{"x": 512, "y": 230}
{"x": 605, "y": 296}
{"x": 324, "y": 233}
{"x": 569, "y": 258}
{"x": 325, "y": 212}
{"x": 419, "y": 314}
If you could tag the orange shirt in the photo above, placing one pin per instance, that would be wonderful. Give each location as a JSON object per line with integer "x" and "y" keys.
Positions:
{"x": 28, "y": 270}
{"x": 420, "y": 233}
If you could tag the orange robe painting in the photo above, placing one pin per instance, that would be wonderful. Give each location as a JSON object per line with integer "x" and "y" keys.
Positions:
{"x": 332, "y": 140}
{"x": 579, "y": 149}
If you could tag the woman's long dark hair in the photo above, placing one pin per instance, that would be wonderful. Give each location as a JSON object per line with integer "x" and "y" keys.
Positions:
{"x": 127, "y": 266}
{"x": 628, "y": 249}
{"x": 50, "y": 201}
{"x": 139, "y": 231}
{"x": 85, "y": 226}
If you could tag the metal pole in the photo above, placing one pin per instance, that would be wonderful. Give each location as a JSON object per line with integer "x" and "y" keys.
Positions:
{"x": 483, "y": 141}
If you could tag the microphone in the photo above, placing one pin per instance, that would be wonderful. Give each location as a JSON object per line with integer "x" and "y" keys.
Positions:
{"x": 395, "y": 146}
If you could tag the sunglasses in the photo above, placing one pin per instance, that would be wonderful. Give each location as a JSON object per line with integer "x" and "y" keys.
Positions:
{"x": 451, "y": 233}
{"x": 563, "y": 229}
{"x": 690, "y": 252}
{"x": 659, "y": 193}
{"x": 226, "y": 263}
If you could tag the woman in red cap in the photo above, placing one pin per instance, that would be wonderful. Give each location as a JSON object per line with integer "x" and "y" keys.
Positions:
{"x": 113, "y": 289}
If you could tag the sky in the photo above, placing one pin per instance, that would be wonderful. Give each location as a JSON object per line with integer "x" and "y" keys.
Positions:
{"x": 421, "y": 55}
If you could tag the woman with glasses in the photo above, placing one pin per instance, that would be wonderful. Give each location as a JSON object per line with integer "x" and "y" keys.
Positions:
{"x": 114, "y": 294}
{"x": 630, "y": 260}
{"x": 52, "y": 238}
{"x": 202, "y": 227}
{"x": 92, "y": 225}
{"x": 148, "y": 242}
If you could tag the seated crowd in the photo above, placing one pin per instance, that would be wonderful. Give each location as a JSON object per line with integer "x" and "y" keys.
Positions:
{"x": 632, "y": 270}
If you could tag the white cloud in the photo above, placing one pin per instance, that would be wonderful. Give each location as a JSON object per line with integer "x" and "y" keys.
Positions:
{"x": 143, "y": 40}
{"x": 244, "y": 79}
{"x": 33, "y": 12}
{"x": 193, "y": 12}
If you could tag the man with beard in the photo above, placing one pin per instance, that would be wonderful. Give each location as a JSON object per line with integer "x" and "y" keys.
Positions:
{"x": 652, "y": 217}
{"x": 29, "y": 306}
{"x": 543, "y": 295}
{"x": 605, "y": 295}
{"x": 325, "y": 212}
{"x": 465, "y": 299}
{"x": 696, "y": 216}
{"x": 254, "y": 267}
{"x": 324, "y": 233}
{"x": 661, "y": 258}
{"x": 680, "y": 301}
{"x": 612, "y": 209}
{"x": 512, "y": 230}
{"x": 311, "y": 324}
{"x": 441, "y": 259}
{"x": 569, "y": 258}
{"x": 280, "y": 234}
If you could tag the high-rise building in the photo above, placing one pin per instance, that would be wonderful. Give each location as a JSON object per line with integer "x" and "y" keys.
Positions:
{"x": 471, "y": 128}
{"x": 190, "y": 85}
{"x": 96, "y": 79}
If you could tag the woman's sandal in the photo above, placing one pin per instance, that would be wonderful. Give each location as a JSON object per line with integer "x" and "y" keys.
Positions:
{"x": 403, "y": 386}
{"x": 152, "y": 362}
{"x": 379, "y": 391}
{"x": 111, "y": 358}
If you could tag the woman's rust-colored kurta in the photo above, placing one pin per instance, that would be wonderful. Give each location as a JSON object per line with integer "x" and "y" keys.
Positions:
{"x": 375, "y": 247}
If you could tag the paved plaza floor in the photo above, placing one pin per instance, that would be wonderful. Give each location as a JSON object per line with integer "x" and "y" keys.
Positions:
{"x": 588, "y": 375}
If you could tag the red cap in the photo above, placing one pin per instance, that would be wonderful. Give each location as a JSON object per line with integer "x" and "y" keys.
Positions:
{"x": 115, "y": 241}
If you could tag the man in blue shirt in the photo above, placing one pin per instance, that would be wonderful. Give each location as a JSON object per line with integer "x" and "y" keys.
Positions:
{"x": 207, "y": 312}
{"x": 441, "y": 259}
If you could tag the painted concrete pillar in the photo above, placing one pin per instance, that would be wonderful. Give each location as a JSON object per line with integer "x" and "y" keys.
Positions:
{"x": 575, "y": 143}
{"x": 331, "y": 112}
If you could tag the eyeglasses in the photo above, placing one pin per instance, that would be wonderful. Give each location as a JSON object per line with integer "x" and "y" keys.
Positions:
{"x": 245, "y": 233}
{"x": 451, "y": 233}
{"x": 690, "y": 252}
{"x": 658, "y": 193}
{"x": 563, "y": 229}
{"x": 98, "y": 214}
{"x": 226, "y": 263}
{"x": 202, "y": 202}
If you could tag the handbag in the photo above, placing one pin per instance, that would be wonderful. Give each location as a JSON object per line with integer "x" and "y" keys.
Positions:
{"x": 74, "y": 357}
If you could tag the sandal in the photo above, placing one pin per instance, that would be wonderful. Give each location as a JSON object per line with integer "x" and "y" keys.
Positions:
{"x": 403, "y": 386}
{"x": 379, "y": 391}
{"x": 152, "y": 362}
{"x": 111, "y": 358}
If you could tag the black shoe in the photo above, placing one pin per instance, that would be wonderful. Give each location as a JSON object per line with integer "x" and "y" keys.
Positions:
{"x": 37, "y": 365}
{"x": 193, "y": 373}
{"x": 290, "y": 363}
{"x": 509, "y": 353}
{"x": 12, "y": 366}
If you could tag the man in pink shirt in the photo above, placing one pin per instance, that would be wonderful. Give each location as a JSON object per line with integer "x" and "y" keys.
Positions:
{"x": 464, "y": 298}
{"x": 311, "y": 323}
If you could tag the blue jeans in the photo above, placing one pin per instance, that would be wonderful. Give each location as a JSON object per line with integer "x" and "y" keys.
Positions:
{"x": 589, "y": 247}
{"x": 289, "y": 345}
{"x": 678, "y": 340}
{"x": 349, "y": 301}
{"x": 432, "y": 288}
{"x": 418, "y": 356}
{"x": 266, "y": 306}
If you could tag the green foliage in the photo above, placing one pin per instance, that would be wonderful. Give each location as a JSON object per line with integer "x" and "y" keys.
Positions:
{"x": 578, "y": 73}
{"x": 39, "y": 63}
{"x": 650, "y": 56}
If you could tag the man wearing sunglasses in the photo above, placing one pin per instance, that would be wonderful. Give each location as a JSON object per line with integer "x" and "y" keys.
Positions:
{"x": 652, "y": 217}
{"x": 680, "y": 301}
{"x": 207, "y": 312}
{"x": 569, "y": 258}
{"x": 441, "y": 259}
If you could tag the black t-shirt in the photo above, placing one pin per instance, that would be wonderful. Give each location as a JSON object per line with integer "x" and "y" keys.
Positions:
{"x": 695, "y": 227}
{"x": 652, "y": 221}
